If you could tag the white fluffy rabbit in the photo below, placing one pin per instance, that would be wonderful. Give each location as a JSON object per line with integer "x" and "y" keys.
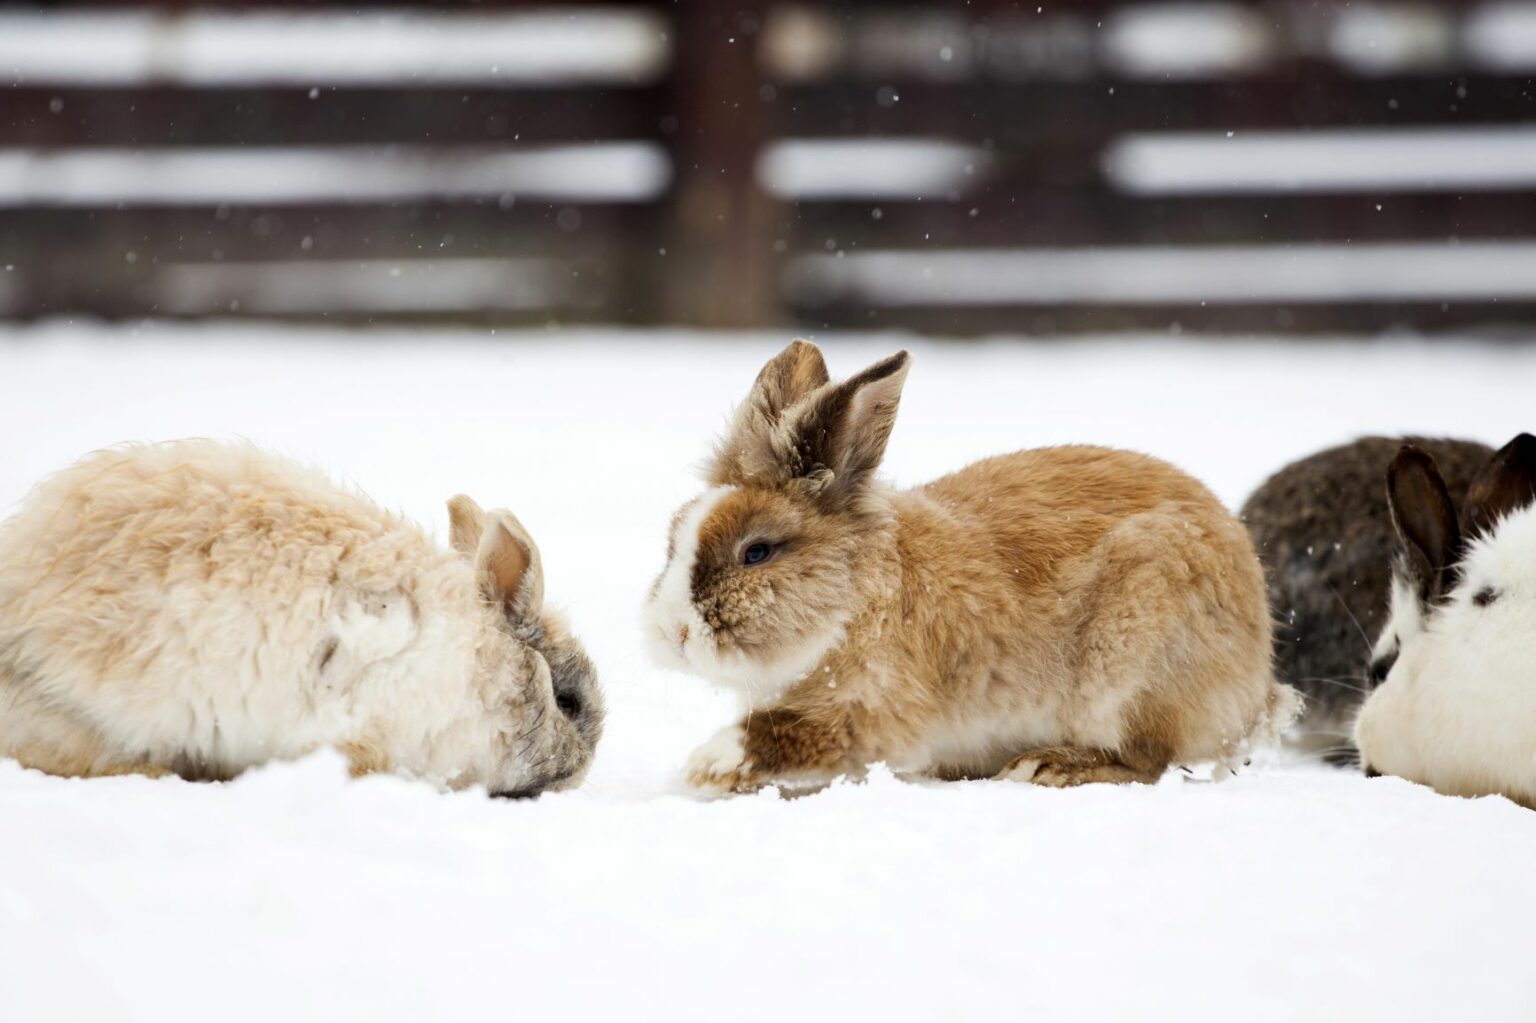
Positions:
{"x": 198, "y": 608}
{"x": 1457, "y": 709}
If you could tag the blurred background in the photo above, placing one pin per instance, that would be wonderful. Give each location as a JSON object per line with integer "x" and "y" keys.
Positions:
{"x": 1275, "y": 166}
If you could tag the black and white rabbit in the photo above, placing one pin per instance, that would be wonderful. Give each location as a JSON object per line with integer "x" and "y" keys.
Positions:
{"x": 1457, "y": 709}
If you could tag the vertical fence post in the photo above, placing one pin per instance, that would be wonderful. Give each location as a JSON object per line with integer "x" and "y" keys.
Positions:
{"x": 717, "y": 226}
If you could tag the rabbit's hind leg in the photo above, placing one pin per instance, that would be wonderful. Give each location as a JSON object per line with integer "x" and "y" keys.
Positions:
{"x": 48, "y": 738}
{"x": 1066, "y": 766}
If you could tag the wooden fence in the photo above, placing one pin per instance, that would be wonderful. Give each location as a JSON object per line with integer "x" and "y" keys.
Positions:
{"x": 1039, "y": 168}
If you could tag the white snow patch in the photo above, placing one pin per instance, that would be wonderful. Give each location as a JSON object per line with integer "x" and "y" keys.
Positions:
{"x": 1186, "y": 40}
{"x": 1289, "y": 892}
{"x": 369, "y": 285}
{"x": 870, "y": 168}
{"x": 1382, "y": 160}
{"x": 599, "y": 171}
{"x": 331, "y": 48}
{"x": 1382, "y": 39}
{"x": 1155, "y": 274}
{"x": 1502, "y": 36}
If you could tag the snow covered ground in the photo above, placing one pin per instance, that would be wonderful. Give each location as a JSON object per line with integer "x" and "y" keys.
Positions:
{"x": 1290, "y": 892}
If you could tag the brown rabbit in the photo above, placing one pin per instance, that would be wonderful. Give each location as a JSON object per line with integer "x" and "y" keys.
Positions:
{"x": 1060, "y": 616}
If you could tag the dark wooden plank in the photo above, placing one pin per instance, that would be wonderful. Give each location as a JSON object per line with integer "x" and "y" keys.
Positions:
{"x": 553, "y": 317}
{"x": 1046, "y": 216}
{"x": 282, "y": 115}
{"x": 1018, "y": 115}
{"x": 1492, "y": 319}
{"x": 104, "y": 261}
{"x": 589, "y": 288}
{"x": 322, "y": 231}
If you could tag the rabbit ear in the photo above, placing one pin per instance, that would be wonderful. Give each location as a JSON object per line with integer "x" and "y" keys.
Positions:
{"x": 1425, "y": 518}
{"x": 508, "y": 566}
{"x": 465, "y": 524}
{"x": 747, "y": 450}
{"x": 845, "y": 429}
{"x": 789, "y": 376}
{"x": 1506, "y": 485}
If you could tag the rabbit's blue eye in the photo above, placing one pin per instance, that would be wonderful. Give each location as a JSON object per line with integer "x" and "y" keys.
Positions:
{"x": 756, "y": 554}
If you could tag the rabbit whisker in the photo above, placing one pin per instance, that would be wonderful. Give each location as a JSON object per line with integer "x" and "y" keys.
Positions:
{"x": 537, "y": 721}
{"x": 531, "y": 734}
{"x": 1341, "y": 683}
{"x": 1358, "y": 627}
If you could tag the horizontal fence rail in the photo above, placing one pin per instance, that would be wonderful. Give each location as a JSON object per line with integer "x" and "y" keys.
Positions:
{"x": 955, "y": 167}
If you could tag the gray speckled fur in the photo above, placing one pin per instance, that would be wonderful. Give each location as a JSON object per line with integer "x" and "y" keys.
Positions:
{"x": 1324, "y": 534}
{"x": 573, "y": 678}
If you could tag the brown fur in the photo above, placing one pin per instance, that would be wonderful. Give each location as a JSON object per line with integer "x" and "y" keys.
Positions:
{"x": 1096, "y": 604}
{"x": 1065, "y": 766}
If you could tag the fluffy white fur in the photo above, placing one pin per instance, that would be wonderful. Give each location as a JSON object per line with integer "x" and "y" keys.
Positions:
{"x": 671, "y": 621}
{"x": 201, "y": 608}
{"x": 722, "y": 756}
{"x": 1405, "y": 619}
{"x": 1458, "y": 710}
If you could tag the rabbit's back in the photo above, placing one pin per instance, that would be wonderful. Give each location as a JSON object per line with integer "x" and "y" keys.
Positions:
{"x": 189, "y": 595}
{"x": 1051, "y": 505}
{"x": 1121, "y": 585}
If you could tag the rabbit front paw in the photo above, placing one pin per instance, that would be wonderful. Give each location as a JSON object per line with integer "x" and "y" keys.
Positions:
{"x": 721, "y": 766}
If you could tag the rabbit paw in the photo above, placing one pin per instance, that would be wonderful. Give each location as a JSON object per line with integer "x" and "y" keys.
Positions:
{"x": 720, "y": 766}
{"x": 1067, "y": 767}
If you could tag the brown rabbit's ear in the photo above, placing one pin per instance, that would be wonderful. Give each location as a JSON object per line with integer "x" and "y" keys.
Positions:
{"x": 789, "y": 376}
{"x": 508, "y": 566}
{"x": 845, "y": 429}
{"x": 465, "y": 524}
{"x": 1425, "y": 519}
{"x": 1506, "y": 485}
{"x": 747, "y": 451}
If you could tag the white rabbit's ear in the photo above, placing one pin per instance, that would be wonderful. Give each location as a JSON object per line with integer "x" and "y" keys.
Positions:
{"x": 1506, "y": 485}
{"x": 508, "y": 566}
{"x": 1425, "y": 518}
{"x": 465, "y": 524}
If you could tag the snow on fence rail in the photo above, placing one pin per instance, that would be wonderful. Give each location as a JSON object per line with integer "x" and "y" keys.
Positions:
{"x": 295, "y": 47}
{"x": 1093, "y": 164}
{"x": 183, "y": 175}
